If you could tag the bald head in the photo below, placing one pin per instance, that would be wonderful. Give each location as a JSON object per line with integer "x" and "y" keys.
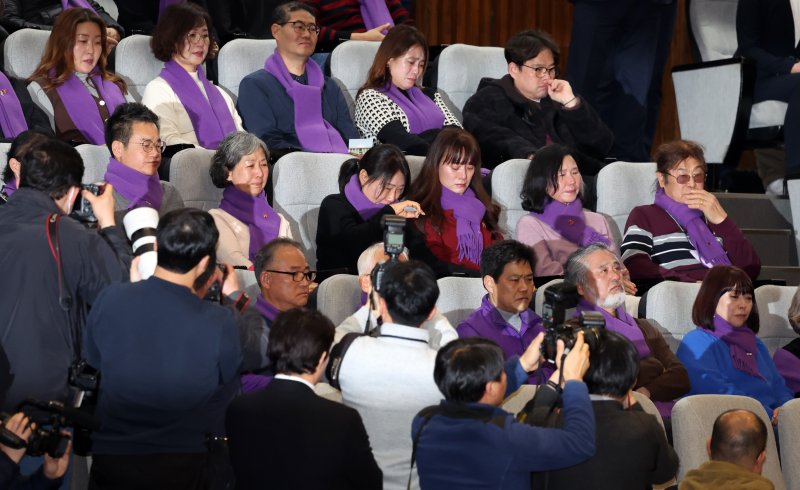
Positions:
{"x": 739, "y": 437}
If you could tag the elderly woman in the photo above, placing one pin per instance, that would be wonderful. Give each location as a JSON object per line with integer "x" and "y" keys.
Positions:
{"x": 71, "y": 83}
{"x": 19, "y": 147}
{"x": 787, "y": 358}
{"x": 245, "y": 220}
{"x": 460, "y": 218}
{"x": 685, "y": 231}
{"x": 191, "y": 110}
{"x": 723, "y": 355}
{"x": 391, "y": 106}
{"x": 557, "y": 224}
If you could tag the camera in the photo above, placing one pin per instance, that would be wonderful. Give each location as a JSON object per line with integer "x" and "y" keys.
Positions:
{"x": 214, "y": 292}
{"x": 82, "y": 210}
{"x": 557, "y": 300}
{"x": 141, "y": 226}
{"x": 393, "y": 245}
{"x": 51, "y": 418}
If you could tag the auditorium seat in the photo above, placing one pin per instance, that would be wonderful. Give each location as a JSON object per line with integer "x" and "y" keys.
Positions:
{"x": 415, "y": 165}
{"x": 517, "y": 400}
{"x": 461, "y": 68}
{"x": 668, "y": 305}
{"x": 4, "y": 147}
{"x": 188, "y": 172}
{"x": 339, "y": 296}
{"x": 23, "y": 50}
{"x": 95, "y": 162}
{"x": 789, "y": 435}
{"x": 350, "y": 63}
{"x": 773, "y": 307}
{"x": 621, "y": 186}
{"x": 239, "y": 58}
{"x": 136, "y": 64}
{"x": 458, "y": 297}
{"x": 649, "y": 407}
{"x": 507, "y": 180}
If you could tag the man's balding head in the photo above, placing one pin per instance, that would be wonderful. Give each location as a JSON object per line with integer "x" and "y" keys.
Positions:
{"x": 739, "y": 437}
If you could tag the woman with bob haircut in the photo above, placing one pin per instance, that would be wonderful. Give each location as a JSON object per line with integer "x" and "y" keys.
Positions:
{"x": 391, "y": 106}
{"x": 191, "y": 110}
{"x": 72, "y": 84}
{"x": 685, "y": 231}
{"x": 557, "y": 224}
{"x": 787, "y": 358}
{"x": 350, "y": 221}
{"x": 723, "y": 355}
{"x": 460, "y": 218}
{"x": 245, "y": 220}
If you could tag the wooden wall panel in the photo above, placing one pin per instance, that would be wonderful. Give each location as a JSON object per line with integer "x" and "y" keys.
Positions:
{"x": 492, "y": 22}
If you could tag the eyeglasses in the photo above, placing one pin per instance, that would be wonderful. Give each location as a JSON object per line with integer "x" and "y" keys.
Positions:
{"x": 150, "y": 145}
{"x": 699, "y": 178}
{"x": 301, "y": 27}
{"x": 540, "y": 71}
{"x": 194, "y": 38}
{"x": 297, "y": 276}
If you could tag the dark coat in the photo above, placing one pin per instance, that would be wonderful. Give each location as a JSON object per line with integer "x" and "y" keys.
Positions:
{"x": 40, "y": 14}
{"x": 765, "y": 31}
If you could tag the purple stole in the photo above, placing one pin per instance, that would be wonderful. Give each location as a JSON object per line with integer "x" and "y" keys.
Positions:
{"x": 254, "y": 382}
{"x": 141, "y": 191}
{"x": 375, "y": 13}
{"x": 211, "y": 118}
{"x": 10, "y": 187}
{"x": 314, "y": 132}
{"x": 83, "y": 4}
{"x": 697, "y": 231}
{"x": 422, "y": 113}
{"x": 468, "y": 211}
{"x": 163, "y": 4}
{"x": 82, "y": 108}
{"x": 741, "y": 342}
{"x": 569, "y": 221}
{"x": 12, "y": 119}
{"x": 788, "y": 366}
{"x": 262, "y": 221}
{"x": 355, "y": 196}
{"x": 266, "y": 309}
{"x": 623, "y": 324}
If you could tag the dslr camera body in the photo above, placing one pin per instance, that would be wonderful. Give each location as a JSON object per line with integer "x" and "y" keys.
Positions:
{"x": 393, "y": 244}
{"x": 82, "y": 211}
{"x": 557, "y": 300}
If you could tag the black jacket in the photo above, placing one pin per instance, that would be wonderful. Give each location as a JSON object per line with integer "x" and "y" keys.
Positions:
{"x": 38, "y": 336}
{"x": 40, "y": 14}
{"x": 35, "y": 117}
{"x": 507, "y": 125}
{"x": 10, "y": 478}
{"x": 765, "y": 31}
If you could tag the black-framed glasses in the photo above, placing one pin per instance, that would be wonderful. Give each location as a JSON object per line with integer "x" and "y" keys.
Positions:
{"x": 150, "y": 145}
{"x": 540, "y": 71}
{"x": 297, "y": 276}
{"x": 301, "y": 27}
{"x": 699, "y": 178}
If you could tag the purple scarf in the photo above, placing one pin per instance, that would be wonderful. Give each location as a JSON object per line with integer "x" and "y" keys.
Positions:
{"x": 210, "y": 116}
{"x": 375, "y": 13}
{"x": 314, "y": 132}
{"x": 83, "y": 4}
{"x": 468, "y": 211}
{"x": 254, "y": 382}
{"x": 568, "y": 221}
{"x": 422, "y": 113}
{"x": 139, "y": 189}
{"x": 12, "y": 119}
{"x": 788, "y": 366}
{"x": 266, "y": 309}
{"x": 623, "y": 324}
{"x": 697, "y": 231}
{"x": 263, "y": 221}
{"x": 10, "y": 187}
{"x": 164, "y": 4}
{"x": 741, "y": 342}
{"x": 355, "y": 196}
{"x": 82, "y": 108}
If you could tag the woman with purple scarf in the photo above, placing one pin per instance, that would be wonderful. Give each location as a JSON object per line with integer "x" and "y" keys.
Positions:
{"x": 685, "y": 231}
{"x": 723, "y": 355}
{"x": 557, "y": 224}
{"x": 460, "y": 218}
{"x": 391, "y": 106}
{"x": 19, "y": 147}
{"x": 192, "y": 111}
{"x": 787, "y": 358}
{"x": 245, "y": 220}
{"x": 350, "y": 221}
{"x": 72, "y": 84}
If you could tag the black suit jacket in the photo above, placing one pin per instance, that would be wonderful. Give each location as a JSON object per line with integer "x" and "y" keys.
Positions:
{"x": 285, "y": 436}
{"x": 765, "y": 30}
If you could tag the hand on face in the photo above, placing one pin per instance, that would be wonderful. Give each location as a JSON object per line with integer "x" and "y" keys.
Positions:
{"x": 560, "y": 91}
{"x": 707, "y": 203}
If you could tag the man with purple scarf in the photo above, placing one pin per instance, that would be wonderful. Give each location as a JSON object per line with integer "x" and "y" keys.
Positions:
{"x": 597, "y": 274}
{"x": 505, "y": 315}
{"x": 290, "y": 104}
{"x": 132, "y": 138}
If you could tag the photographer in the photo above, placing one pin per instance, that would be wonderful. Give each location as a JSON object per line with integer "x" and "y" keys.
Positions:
{"x": 48, "y": 476}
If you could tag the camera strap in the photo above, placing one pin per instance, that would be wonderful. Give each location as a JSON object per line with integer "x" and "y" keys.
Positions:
{"x": 337, "y": 356}
{"x": 65, "y": 299}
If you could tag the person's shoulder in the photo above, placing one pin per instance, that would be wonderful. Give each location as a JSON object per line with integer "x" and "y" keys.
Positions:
{"x": 699, "y": 337}
{"x": 334, "y": 200}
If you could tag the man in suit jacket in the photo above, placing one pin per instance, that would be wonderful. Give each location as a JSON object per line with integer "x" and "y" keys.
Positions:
{"x": 285, "y": 436}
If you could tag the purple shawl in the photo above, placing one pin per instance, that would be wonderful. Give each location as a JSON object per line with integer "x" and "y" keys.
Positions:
{"x": 139, "y": 189}
{"x": 164, "y": 4}
{"x": 82, "y": 108}
{"x": 254, "y": 382}
{"x": 211, "y": 118}
{"x": 468, "y": 211}
{"x": 10, "y": 187}
{"x": 266, "y": 309}
{"x": 569, "y": 221}
{"x": 355, "y": 196}
{"x": 375, "y": 13}
{"x": 422, "y": 113}
{"x": 83, "y": 4}
{"x": 263, "y": 221}
{"x": 697, "y": 231}
{"x": 314, "y": 132}
{"x": 741, "y": 342}
{"x": 788, "y": 366}
{"x": 12, "y": 119}
{"x": 623, "y": 324}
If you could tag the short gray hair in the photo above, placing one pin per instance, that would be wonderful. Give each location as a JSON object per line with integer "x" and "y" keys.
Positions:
{"x": 576, "y": 272}
{"x": 231, "y": 150}
{"x": 367, "y": 262}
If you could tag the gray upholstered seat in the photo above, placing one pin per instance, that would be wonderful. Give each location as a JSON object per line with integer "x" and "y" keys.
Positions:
{"x": 136, "y": 64}
{"x": 692, "y": 420}
{"x": 507, "y": 180}
{"x": 188, "y": 172}
{"x": 4, "y": 147}
{"x": 637, "y": 180}
{"x": 301, "y": 180}
{"x": 773, "y": 307}
{"x": 668, "y": 305}
{"x": 461, "y": 68}
{"x": 458, "y": 297}
{"x": 239, "y": 58}
{"x": 95, "y": 161}
{"x": 789, "y": 434}
{"x": 350, "y": 63}
{"x": 339, "y": 296}
{"x": 23, "y": 50}
{"x": 415, "y": 165}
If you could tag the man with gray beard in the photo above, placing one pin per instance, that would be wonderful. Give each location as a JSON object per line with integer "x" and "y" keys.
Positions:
{"x": 597, "y": 273}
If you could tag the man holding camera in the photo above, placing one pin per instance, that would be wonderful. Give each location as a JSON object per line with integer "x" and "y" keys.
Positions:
{"x": 49, "y": 476}
{"x": 169, "y": 362}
